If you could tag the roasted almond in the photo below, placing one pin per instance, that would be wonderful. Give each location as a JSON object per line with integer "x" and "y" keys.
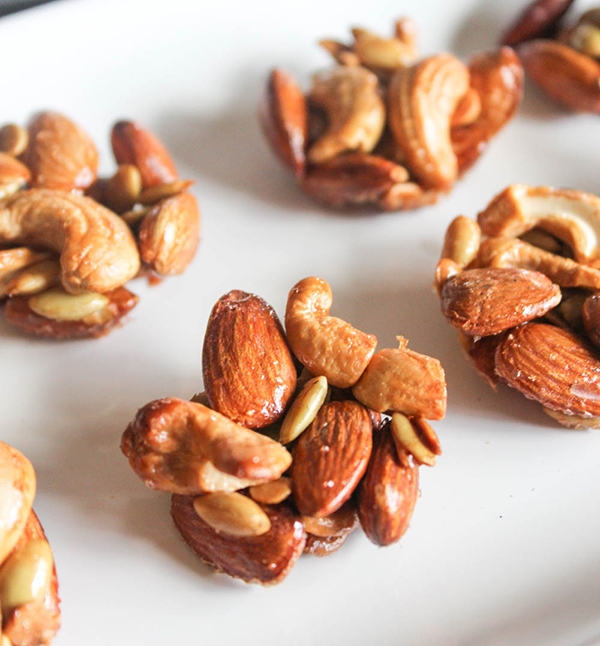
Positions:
{"x": 135, "y": 145}
{"x": 388, "y": 492}
{"x": 569, "y": 77}
{"x": 553, "y": 366}
{"x": 60, "y": 154}
{"x": 265, "y": 559}
{"x": 283, "y": 119}
{"x": 535, "y": 21}
{"x": 248, "y": 369}
{"x": 486, "y": 301}
{"x": 404, "y": 381}
{"x": 330, "y": 457}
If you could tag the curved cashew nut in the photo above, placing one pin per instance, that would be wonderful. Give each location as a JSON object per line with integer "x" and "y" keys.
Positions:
{"x": 506, "y": 252}
{"x": 170, "y": 233}
{"x": 325, "y": 345}
{"x": 98, "y": 252}
{"x": 571, "y": 216}
{"x": 386, "y": 54}
{"x": 422, "y": 100}
{"x": 17, "y": 491}
{"x": 184, "y": 447}
{"x": 355, "y": 110}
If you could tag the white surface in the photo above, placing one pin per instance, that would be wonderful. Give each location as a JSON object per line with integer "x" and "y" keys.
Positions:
{"x": 504, "y": 545}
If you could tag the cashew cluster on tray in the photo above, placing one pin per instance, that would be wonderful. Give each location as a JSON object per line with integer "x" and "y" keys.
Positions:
{"x": 561, "y": 57}
{"x": 300, "y": 436}
{"x": 29, "y": 603}
{"x": 522, "y": 286}
{"x": 69, "y": 241}
{"x": 385, "y": 128}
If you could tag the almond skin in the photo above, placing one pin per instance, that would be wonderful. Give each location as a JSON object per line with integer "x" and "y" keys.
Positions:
{"x": 60, "y": 154}
{"x": 135, "y": 145}
{"x": 552, "y": 366}
{"x": 330, "y": 458}
{"x": 265, "y": 559}
{"x": 482, "y": 302}
{"x": 284, "y": 121}
{"x": 248, "y": 369}
{"x": 388, "y": 493}
{"x": 535, "y": 21}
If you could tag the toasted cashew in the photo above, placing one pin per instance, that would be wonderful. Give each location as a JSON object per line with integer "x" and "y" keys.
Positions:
{"x": 356, "y": 112}
{"x": 571, "y": 216}
{"x": 385, "y": 54}
{"x": 422, "y": 100}
{"x": 170, "y": 233}
{"x": 184, "y": 447}
{"x": 98, "y": 252}
{"x": 468, "y": 110}
{"x": 462, "y": 240}
{"x": 34, "y": 278}
{"x": 17, "y": 490}
{"x": 506, "y": 252}
{"x": 325, "y": 344}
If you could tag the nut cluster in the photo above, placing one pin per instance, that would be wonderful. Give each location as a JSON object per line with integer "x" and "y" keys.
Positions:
{"x": 564, "y": 60}
{"x": 522, "y": 285}
{"x": 69, "y": 240}
{"x": 384, "y": 128}
{"x": 352, "y": 419}
{"x": 29, "y": 603}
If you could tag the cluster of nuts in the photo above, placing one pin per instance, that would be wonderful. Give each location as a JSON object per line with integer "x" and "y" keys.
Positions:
{"x": 29, "y": 603}
{"x": 563, "y": 60}
{"x": 241, "y": 500}
{"x": 69, "y": 241}
{"x": 522, "y": 286}
{"x": 385, "y": 129}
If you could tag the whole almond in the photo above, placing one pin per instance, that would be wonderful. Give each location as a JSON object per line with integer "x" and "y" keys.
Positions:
{"x": 482, "y": 302}
{"x": 135, "y": 145}
{"x": 552, "y": 366}
{"x": 60, "y": 154}
{"x": 248, "y": 369}
{"x": 330, "y": 457}
{"x": 535, "y": 21}
{"x": 388, "y": 493}
{"x": 567, "y": 76}
{"x": 283, "y": 118}
{"x": 404, "y": 381}
{"x": 265, "y": 559}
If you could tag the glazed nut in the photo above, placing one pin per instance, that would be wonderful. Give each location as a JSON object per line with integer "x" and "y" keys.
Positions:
{"x": 17, "y": 491}
{"x": 468, "y": 109}
{"x": 272, "y": 493}
{"x": 155, "y": 194}
{"x": 571, "y": 309}
{"x": 184, "y": 447}
{"x": 13, "y": 175}
{"x": 340, "y": 52}
{"x": 570, "y": 216}
{"x": 568, "y": 76}
{"x": 590, "y": 17}
{"x": 98, "y": 252}
{"x": 543, "y": 240}
{"x": 59, "y": 305}
{"x": 585, "y": 38}
{"x": 416, "y": 437}
{"x": 355, "y": 110}
{"x": 13, "y": 260}
{"x": 535, "y": 21}
{"x": 422, "y": 100}
{"x": 343, "y": 521}
{"x": 303, "y": 409}
{"x": 462, "y": 240}
{"x": 591, "y": 318}
{"x": 445, "y": 269}
{"x": 123, "y": 188}
{"x": 400, "y": 380}
{"x": 34, "y": 279}
{"x": 60, "y": 154}
{"x": 325, "y": 345}
{"x": 135, "y": 145}
{"x": 232, "y": 513}
{"x": 385, "y": 54}
{"x": 25, "y": 575}
{"x": 13, "y": 139}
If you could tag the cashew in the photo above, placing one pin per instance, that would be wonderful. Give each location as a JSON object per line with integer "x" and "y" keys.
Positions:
{"x": 325, "y": 345}
{"x": 13, "y": 139}
{"x": 35, "y": 278}
{"x": 468, "y": 110}
{"x": 506, "y": 252}
{"x": 355, "y": 110}
{"x": 571, "y": 216}
{"x": 17, "y": 490}
{"x": 444, "y": 270}
{"x": 13, "y": 175}
{"x": 462, "y": 241}
{"x": 422, "y": 100}
{"x": 187, "y": 448}
{"x": 340, "y": 52}
{"x": 170, "y": 233}
{"x": 98, "y": 252}
{"x": 386, "y": 54}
